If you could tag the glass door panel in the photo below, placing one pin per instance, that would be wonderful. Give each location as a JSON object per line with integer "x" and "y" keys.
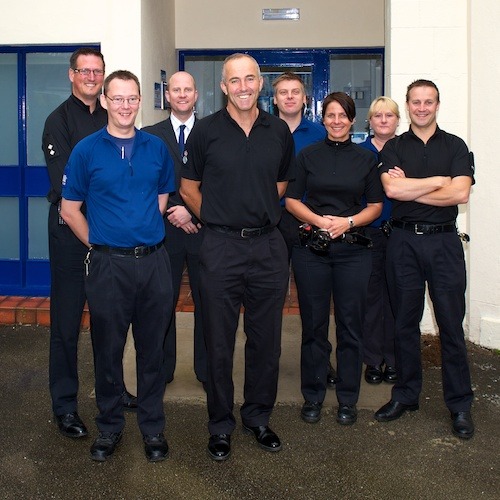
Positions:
{"x": 9, "y": 153}
{"x": 47, "y": 85}
{"x": 356, "y": 71}
{"x": 360, "y": 76}
{"x": 33, "y": 82}
{"x": 207, "y": 71}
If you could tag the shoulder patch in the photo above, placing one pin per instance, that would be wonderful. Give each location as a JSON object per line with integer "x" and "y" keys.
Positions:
{"x": 51, "y": 150}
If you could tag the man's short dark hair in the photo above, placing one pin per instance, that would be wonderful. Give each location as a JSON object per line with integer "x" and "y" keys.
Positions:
{"x": 84, "y": 51}
{"x": 121, "y": 74}
{"x": 345, "y": 102}
{"x": 421, "y": 83}
{"x": 288, "y": 76}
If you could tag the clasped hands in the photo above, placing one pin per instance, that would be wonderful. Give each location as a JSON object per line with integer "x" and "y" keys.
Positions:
{"x": 336, "y": 226}
{"x": 180, "y": 217}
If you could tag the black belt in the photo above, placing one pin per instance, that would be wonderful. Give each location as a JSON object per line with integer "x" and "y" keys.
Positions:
{"x": 421, "y": 228}
{"x": 244, "y": 232}
{"x": 137, "y": 252}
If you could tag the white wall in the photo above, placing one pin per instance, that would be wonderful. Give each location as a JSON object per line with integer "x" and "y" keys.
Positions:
{"x": 158, "y": 53}
{"x": 451, "y": 42}
{"x": 115, "y": 24}
{"x": 63, "y": 22}
{"x": 484, "y": 266}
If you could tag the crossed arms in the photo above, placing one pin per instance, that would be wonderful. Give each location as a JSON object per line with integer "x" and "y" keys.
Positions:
{"x": 439, "y": 191}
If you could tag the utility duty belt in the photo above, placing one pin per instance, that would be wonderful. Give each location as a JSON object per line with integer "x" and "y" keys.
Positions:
{"x": 319, "y": 240}
{"x": 422, "y": 228}
{"x": 243, "y": 232}
{"x": 137, "y": 252}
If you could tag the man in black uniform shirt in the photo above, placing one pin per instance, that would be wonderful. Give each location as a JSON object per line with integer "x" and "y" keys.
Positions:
{"x": 238, "y": 164}
{"x": 183, "y": 231}
{"x": 77, "y": 117}
{"x": 427, "y": 172}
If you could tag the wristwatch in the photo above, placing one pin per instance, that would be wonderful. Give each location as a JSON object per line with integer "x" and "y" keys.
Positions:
{"x": 351, "y": 222}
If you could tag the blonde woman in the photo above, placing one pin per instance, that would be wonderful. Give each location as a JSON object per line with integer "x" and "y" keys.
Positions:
{"x": 378, "y": 331}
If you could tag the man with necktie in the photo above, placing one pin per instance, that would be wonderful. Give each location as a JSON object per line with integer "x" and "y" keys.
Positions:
{"x": 184, "y": 232}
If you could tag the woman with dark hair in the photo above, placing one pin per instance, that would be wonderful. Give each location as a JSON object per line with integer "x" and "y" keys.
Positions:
{"x": 334, "y": 257}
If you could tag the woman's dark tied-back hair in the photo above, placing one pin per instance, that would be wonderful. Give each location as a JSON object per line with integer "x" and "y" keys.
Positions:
{"x": 345, "y": 102}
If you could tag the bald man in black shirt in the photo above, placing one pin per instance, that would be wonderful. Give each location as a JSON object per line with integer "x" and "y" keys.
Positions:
{"x": 238, "y": 164}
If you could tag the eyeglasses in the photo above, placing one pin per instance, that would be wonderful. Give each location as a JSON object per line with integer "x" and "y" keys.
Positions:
{"x": 118, "y": 101}
{"x": 87, "y": 71}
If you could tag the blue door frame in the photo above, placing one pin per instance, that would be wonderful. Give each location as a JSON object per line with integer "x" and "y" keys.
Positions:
{"x": 25, "y": 276}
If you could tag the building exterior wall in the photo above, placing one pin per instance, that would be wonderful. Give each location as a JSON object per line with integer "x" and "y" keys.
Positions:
{"x": 451, "y": 42}
{"x": 430, "y": 40}
{"x": 238, "y": 24}
{"x": 484, "y": 262}
{"x": 448, "y": 43}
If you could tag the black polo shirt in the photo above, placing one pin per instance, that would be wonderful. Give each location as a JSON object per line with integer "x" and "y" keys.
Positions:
{"x": 238, "y": 174}
{"x": 444, "y": 154}
{"x": 335, "y": 176}
{"x": 67, "y": 125}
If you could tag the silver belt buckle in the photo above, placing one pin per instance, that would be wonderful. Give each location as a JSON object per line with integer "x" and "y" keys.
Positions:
{"x": 136, "y": 252}
{"x": 417, "y": 231}
{"x": 243, "y": 232}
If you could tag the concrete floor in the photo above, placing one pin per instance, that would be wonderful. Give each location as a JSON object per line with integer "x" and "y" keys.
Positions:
{"x": 185, "y": 387}
{"x": 415, "y": 457}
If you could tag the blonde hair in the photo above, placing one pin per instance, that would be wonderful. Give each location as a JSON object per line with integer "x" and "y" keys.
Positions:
{"x": 383, "y": 102}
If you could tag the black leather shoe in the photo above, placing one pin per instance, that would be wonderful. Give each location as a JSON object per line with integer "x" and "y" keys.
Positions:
{"x": 311, "y": 412}
{"x": 347, "y": 414}
{"x": 105, "y": 445}
{"x": 266, "y": 438}
{"x": 156, "y": 447}
{"x": 373, "y": 374}
{"x": 463, "y": 426}
{"x": 71, "y": 425}
{"x": 219, "y": 446}
{"x": 390, "y": 375}
{"x": 331, "y": 376}
{"x": 393, "y": 410}
{"x": 129, "y": 401}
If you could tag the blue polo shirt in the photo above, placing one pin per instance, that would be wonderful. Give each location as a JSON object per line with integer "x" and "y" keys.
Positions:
{"x": 306, "y": 133}
{"x": 387, "y": 206}
{"x": 121, "y": 193}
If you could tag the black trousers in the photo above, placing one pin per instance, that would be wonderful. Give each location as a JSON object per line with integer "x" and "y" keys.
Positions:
{"x": 123, "y": 291}
{"x": 183, "y": 250}
{"x": 378, "y": 330}
{"x": 344, "y": 273}
{"x": 438, "y": 259}
{"x": 67, "y": 300}
{"x": 252, "y": 272}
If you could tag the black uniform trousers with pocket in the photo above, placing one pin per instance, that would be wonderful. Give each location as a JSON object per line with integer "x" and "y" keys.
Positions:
{"x": 124, "y": 291}
{"x": 438, "y": 259}
{"x": 342, "y": 272}
{"x": 378, "y": 331}
{"x": 253, "y": 273}
{"x": 67, "y": 300}
{"x": 183, "y": 250}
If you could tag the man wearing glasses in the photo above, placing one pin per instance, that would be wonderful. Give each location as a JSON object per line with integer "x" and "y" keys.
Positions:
{"x": 77, "y": 117}
{"x": 124, "y": 175}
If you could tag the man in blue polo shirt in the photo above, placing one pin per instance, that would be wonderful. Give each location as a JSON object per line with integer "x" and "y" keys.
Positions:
{"x": 290, "y": 99}
{"x": 124, "y": 176}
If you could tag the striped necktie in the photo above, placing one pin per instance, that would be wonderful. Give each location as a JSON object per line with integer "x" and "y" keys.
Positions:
{"x": 181, "y": 139}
